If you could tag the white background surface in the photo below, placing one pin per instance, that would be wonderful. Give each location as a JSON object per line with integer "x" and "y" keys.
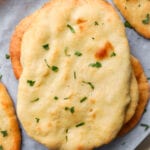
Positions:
{"x": 11, "y": 12}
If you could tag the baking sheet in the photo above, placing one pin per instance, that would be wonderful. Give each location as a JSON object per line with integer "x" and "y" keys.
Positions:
{"x": 11, "y": 12}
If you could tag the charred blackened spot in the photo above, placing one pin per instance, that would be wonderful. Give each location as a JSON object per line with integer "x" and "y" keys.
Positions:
{"x": 105, "y": 51}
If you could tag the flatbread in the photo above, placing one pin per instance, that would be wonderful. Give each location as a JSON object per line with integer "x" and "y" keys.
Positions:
{"x": 15, "y": 47}
{"x": 54, "y": 84}
{"x": 137, "y": 13}
{"x": 144, "y": 94}
{"x": 10, "y": 138}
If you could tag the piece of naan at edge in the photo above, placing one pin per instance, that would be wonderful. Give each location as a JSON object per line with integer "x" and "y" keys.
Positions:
{"x": 72, "y": 91}
{"x": 137, "y": 13}
{"x": 10, "y": 136}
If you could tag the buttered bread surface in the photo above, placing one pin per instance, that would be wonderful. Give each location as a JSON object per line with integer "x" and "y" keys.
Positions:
{"x": 74, "y": 88}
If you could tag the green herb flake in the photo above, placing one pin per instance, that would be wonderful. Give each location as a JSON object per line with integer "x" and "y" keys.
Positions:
{"x": 145, "y": 110}
{"x": 1, "y": 77}
{"x": 66, "y": 108}
{"x": 96, "y": 65}
{"x": 127, "y": 24}
{"x": 90, "y": 84}
{"x": 146, "y": 126}
{"x": 46, "y": 46}
{"x": 55, "y": 68}
{"x": 96, "y": 23}
{"x": 72, "y": 110}
{"x": 35, "y": 100}
{"x": 67, "y": 130}
{"x": 55, "y": 98}
{"x": 147, "y": 19}
{"x": 83, "y": 99}
{"x": 71, "y": 28}
{"x": 66, "y": 98}
{"x": 47, "y": 64}
{"x": 30, "y": 82}
{"x": 77, "y": 53}
{"x": 148, "y": 78}
{"x": 113, "y": 54}
{"x": 1, "y": 147}
{"x": 74, "y": 75}
{"x": 66, "y": 138}
{"x": 4, "y": 133}
{"x": 80, "y": 124}
{"x": 66, "y": 52}
{"x": 7, "y": 56}
{"x": 37, "y": 120}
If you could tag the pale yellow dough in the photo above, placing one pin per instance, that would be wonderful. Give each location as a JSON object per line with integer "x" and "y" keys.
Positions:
{"x": 107, "y": 88}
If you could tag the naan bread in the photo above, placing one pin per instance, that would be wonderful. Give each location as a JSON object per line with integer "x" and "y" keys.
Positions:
{"x": 137, "y": 13}
{"x": 15, "y": 47}
{"x": 10, "y": 138}
{"x": 144, "y": 93}
{"x": 134, "y": 94}
{"x": 67, "y": 105}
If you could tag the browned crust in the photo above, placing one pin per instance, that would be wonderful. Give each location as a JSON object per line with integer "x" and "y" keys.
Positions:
{"x": 15, "y": 47}
{"x": 8, "y": 108}
{"x": 144, "y": 94}
{"x": 131, "y": 16}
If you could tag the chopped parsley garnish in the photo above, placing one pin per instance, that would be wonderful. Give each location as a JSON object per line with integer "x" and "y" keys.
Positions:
{"x": 1, "y": 147}
{"x": 96, "y": 23}
{"x": 67, "y": 130}
{"x": 4, "y": 133}
{"x": 145, "y": 110}
{"x": 7, "y": 56}
{"x": 148, "y": 78}
{"x": 147, "y": 19}
{"x": 30, "y": 82}
{"x": 66, "y": 135}
{"x": 113, "y": 54}
{"x": 55, "y": 98}
{"x": 77, "y": 53}
{"x": 66, "y": 108}
{"x": 71, "y": 28}
{"x": 80, "y": 124}
{"x": 1, "y": 77}
{"x": 37, "y": 120}
{"x": 74, "y": 75}
{"x": 127, "y": 24}
{"x": 35, "y": 100}
{"x": 46, "y": 46}
{"x": 83, "y": 99}
{"x": 71, "y": 109}
{"x": 96, "y": 65}
{"x": 55, "y": 68}
{"x": 90, "y": 84}
{"x": 66, "y": 51}
{"x": 47, "y": 64}
{"x": 66, "y": 98}
{"x": 146, "y": 126}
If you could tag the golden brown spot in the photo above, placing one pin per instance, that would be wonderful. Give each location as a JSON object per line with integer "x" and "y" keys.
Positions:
{"x": 80, "y": 147}
{"x": 79, "y": 21}
{"x": 94, "y": 115}
{"x": 91, "y": 110}
{"x": 104, "y": 51}
{"x": 92, "y": 101}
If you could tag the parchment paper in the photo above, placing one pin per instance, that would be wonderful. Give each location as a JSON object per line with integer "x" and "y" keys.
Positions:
{"x": 11, "y": 12}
